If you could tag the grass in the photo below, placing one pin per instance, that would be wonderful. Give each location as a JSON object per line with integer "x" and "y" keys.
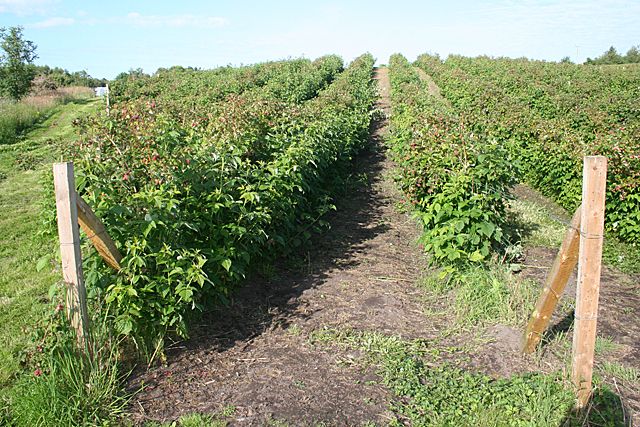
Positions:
{"x": 627, "y": 374}
{"x": 18, "y": 117}
{"x": 623, "y": 256}
{"x": 199, "y": 420}
{"x": 538, "y": 226}
{"x": 486, "y": 295}
{"x": 23, "y": 289}
{"x": 605, "y": 345}
{"x": 70, "y": 387}
{"x": 430, "y": 393}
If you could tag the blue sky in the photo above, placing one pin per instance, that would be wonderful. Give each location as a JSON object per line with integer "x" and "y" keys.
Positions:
{"x": 107, "y": 37}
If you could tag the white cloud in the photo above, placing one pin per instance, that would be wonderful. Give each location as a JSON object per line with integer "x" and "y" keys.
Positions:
{"x": 25, "y": 7}
{"x": 175, "y": 21}
{"x": 53, "y": 22}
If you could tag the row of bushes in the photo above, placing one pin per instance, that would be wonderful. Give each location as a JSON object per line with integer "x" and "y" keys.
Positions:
{"x": 551, "y": 115}
{"x": 197, "y": 198}
{"x": 455, "y": 178}
{"x": 285, "y": 80}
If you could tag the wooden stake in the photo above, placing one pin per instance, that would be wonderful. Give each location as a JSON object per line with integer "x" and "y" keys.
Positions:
{"x": 589, "y": 267}
{"x": 97, "y": 234}
{"x": 554, "y": 286}
{"x": 69, "y": 234}
{"x": 108, "y": 103}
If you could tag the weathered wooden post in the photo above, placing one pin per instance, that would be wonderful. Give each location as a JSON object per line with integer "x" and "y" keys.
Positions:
{"x": 589, "y": 268}
{"x": 69, "y": 234}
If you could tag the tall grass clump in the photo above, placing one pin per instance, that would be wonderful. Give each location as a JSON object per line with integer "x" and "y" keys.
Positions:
{"x": 68, "y": 386}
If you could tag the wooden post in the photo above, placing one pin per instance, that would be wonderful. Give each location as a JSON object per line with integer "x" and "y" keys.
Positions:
{"x": 97, "y": 234}
{"x": 69, "y": 234}
{"x": 108, "y": 106}
{"x": 589, "y": 267}
{"x": 556, "y": 281}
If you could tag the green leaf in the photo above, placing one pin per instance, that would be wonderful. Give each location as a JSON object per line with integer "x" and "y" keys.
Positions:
{"x": 476, "y": 257}
{"x": 43, "y": 262}
{"x": 487, "y": 228}
{"x": 226, "y": 264}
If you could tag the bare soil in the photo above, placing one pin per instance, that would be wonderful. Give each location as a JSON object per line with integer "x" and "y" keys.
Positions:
{"x": 256, "y": 356}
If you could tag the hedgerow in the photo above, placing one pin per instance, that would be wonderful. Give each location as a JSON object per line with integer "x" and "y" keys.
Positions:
{"x": 551, "y": 115}
{"x": 198, "y": 194}
{"x": 455, "y": 178}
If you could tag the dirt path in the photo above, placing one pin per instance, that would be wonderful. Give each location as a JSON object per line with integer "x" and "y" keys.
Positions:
{"x": 433, "y": 88}
{"x": 256, "y": 355}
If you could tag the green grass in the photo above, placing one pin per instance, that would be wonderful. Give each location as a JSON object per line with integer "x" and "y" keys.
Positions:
{"x": 21, "y": 116}
{"x": 623, "y": 256}
{"x": 430, "y": 393}
{"x": 539, "y": 227}
{"x": 627, "y": 374}
{"x": 486, "y": 295}
{"x": 70, "y": 387}
{"x": 23, "y": 290}
{"x": 200, "y": 420}
{"x": 605, "y": 345}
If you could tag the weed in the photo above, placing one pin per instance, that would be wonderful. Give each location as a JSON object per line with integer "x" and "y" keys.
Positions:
{"x": 628, "y": 374}
{"x": 294, "y": 329}
{"x": 198, "y": 420}
{"x": 70, "y": 387}
{"x": 277, "y": 423}
{"x": 484, "y": 295}
{"x": 431, "y": 394}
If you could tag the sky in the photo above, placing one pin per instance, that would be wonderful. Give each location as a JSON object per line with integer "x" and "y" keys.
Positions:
{"x": 111, "y": 36}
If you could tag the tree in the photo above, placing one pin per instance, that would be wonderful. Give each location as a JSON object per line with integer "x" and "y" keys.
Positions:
{"x": 611, "y": 56}
{"x": 566, "y": 60}
{"x": 633, "y": 55}
{"x": 16, "y": 63}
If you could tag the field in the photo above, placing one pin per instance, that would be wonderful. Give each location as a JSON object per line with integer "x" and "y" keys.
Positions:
{"x": 23, "y": 165}
{"x": 320, "y": 243}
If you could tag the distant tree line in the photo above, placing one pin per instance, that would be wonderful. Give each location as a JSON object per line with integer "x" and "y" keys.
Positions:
{"x": 611, "y": 56}
{"x": 138, "y": 73}
{"x": 61, "y": 77}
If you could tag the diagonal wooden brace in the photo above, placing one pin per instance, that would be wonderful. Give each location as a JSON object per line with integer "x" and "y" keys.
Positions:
{"x": 97, "y": 234}
{"x": 556, "y": 281}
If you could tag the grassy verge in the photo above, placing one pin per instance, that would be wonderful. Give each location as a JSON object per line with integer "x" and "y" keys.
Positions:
{"x": 429, "y": 393}
{"x": 23, "y": 289}
{"x": 18, "y": 117}
{"x": 69, "y": 387}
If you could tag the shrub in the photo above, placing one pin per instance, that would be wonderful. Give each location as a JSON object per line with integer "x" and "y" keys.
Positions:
{"x": 456, "y": 180}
